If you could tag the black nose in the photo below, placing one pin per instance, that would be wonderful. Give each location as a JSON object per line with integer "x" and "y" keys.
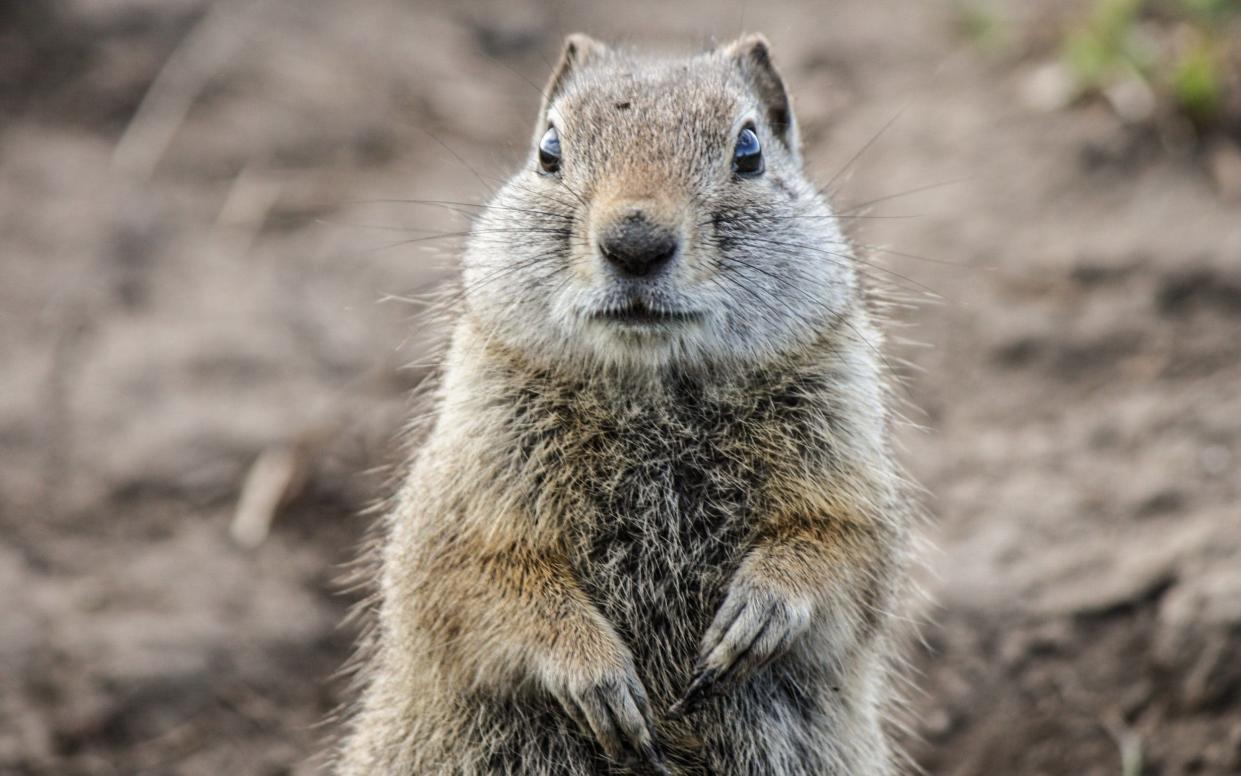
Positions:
{"x": 637, "y": 247}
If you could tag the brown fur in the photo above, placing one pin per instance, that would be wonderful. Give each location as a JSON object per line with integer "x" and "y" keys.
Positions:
{"x": 601, "y": 521}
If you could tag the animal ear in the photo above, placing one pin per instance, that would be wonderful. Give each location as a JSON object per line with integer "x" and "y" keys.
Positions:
{"x": 578, "y": 50}
{"x": 751, "y": 54}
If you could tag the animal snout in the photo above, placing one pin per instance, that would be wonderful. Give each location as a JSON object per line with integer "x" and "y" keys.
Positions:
{"x": 636, "y": 246}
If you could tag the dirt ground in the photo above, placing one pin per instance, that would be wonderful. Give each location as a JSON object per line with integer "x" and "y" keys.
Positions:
{"x": 204, "y": 256}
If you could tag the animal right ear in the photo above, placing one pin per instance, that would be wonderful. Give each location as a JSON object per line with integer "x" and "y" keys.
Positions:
{"x": 578, "y": 50}
{"x": 751, "y": 54}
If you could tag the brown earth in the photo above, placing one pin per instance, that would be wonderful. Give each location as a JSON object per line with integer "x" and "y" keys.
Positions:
{"x": 191, "y": 277}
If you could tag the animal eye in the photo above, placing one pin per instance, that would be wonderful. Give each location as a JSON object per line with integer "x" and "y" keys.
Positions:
{"x": 549, "y": 151}
{"x": 748, "y": 154}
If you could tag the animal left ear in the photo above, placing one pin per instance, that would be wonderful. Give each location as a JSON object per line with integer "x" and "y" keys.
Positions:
{"x": 579, "y": 50}
{"x": 751, "y": 54}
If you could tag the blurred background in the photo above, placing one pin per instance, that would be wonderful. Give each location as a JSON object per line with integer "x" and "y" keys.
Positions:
{"x": 212, "y": 269}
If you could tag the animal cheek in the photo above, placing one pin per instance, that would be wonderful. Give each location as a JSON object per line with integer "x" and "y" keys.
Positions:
{"x": 578, "y": 263}
{"x": 700, "y": 264}
{"x": 783, "y": 187}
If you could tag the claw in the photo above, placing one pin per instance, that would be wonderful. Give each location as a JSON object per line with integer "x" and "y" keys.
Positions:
{"x": 699, "y": 688}
{"x": 655, "y": 759}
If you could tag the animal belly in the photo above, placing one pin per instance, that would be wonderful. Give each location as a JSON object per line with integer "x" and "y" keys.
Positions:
{"x": 659, "y": 578}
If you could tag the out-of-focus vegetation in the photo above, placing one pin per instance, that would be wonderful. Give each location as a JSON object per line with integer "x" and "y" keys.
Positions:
{"x": 1151, "y": 60}
{"x": 983, "y": 25}
{"x": 1185, "y": 52}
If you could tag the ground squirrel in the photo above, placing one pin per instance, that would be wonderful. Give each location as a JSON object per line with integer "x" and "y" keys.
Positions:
{"x": 655, "y": 526}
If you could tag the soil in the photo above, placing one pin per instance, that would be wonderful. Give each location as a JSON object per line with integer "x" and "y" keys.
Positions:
{"x": 208, "y": 252}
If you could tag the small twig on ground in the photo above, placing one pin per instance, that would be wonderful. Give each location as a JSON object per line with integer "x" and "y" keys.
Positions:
{"x": 1129, "y": 742}
{"x": 275, "y": 477}
{"x": 250, "y": 199}
{"x": 174, "y": 90}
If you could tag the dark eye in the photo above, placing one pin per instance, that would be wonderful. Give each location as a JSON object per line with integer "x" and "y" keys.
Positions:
{"x": 748, "y": 155}
{"x": 549, "y": 151}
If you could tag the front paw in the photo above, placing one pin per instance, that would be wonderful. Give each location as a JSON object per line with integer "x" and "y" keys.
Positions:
{"x": 756, "y": 624}
{"x": 610, "y": 704}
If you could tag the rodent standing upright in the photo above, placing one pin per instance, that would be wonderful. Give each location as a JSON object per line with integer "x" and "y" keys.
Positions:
{"x": 656, "y": 525}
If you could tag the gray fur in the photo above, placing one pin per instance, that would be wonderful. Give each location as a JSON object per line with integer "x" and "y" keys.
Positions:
{"x": 600, "y": 508}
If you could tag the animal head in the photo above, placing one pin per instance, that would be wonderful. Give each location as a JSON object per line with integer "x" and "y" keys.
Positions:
{"x": 662, "y": 217}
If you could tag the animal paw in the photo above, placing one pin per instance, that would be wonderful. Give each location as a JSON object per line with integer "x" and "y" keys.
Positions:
{"x": 755, "y": 625}
{"x": 612, "y": 707}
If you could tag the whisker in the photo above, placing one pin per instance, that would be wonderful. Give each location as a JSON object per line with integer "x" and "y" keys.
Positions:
{"x": 571, "y": 191}
{"x": 805, "y": 296}
{"x": 374, "y": 227}
{"x": 779, "y": 281}
{"x": 918, "y": 190}
{"x": 809, "y": 217}
{"x": 450, "y": 235}
{"x": 538, "y": 89}
{"x": 766, "y": 306}
{"x": 490, "y": 189}
{"x": 903, "y": 254}
{"x": 842, "y": 256}
{"x": 858, "y": 154}
{"x": 459, "y": 295}
{"x": 522, "y": 264}
{"x": 449, "y": 204}
{"x": 543, "y": 195}
{"x": 840, "y": 318}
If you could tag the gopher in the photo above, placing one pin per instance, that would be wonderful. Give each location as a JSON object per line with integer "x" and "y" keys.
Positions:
{"x": 656, "y": 525}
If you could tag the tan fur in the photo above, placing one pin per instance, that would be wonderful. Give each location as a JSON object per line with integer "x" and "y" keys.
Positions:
{"x": 599, "y": 516}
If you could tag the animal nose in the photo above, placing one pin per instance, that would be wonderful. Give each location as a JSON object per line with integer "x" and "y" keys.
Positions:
{"x": 636, "y": 247}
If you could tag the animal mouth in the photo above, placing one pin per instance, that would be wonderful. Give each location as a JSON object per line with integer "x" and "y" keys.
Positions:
{"x": 639, "y": 313}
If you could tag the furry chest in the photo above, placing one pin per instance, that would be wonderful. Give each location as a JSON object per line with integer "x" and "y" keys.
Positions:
{"x": 666, "y": 531}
